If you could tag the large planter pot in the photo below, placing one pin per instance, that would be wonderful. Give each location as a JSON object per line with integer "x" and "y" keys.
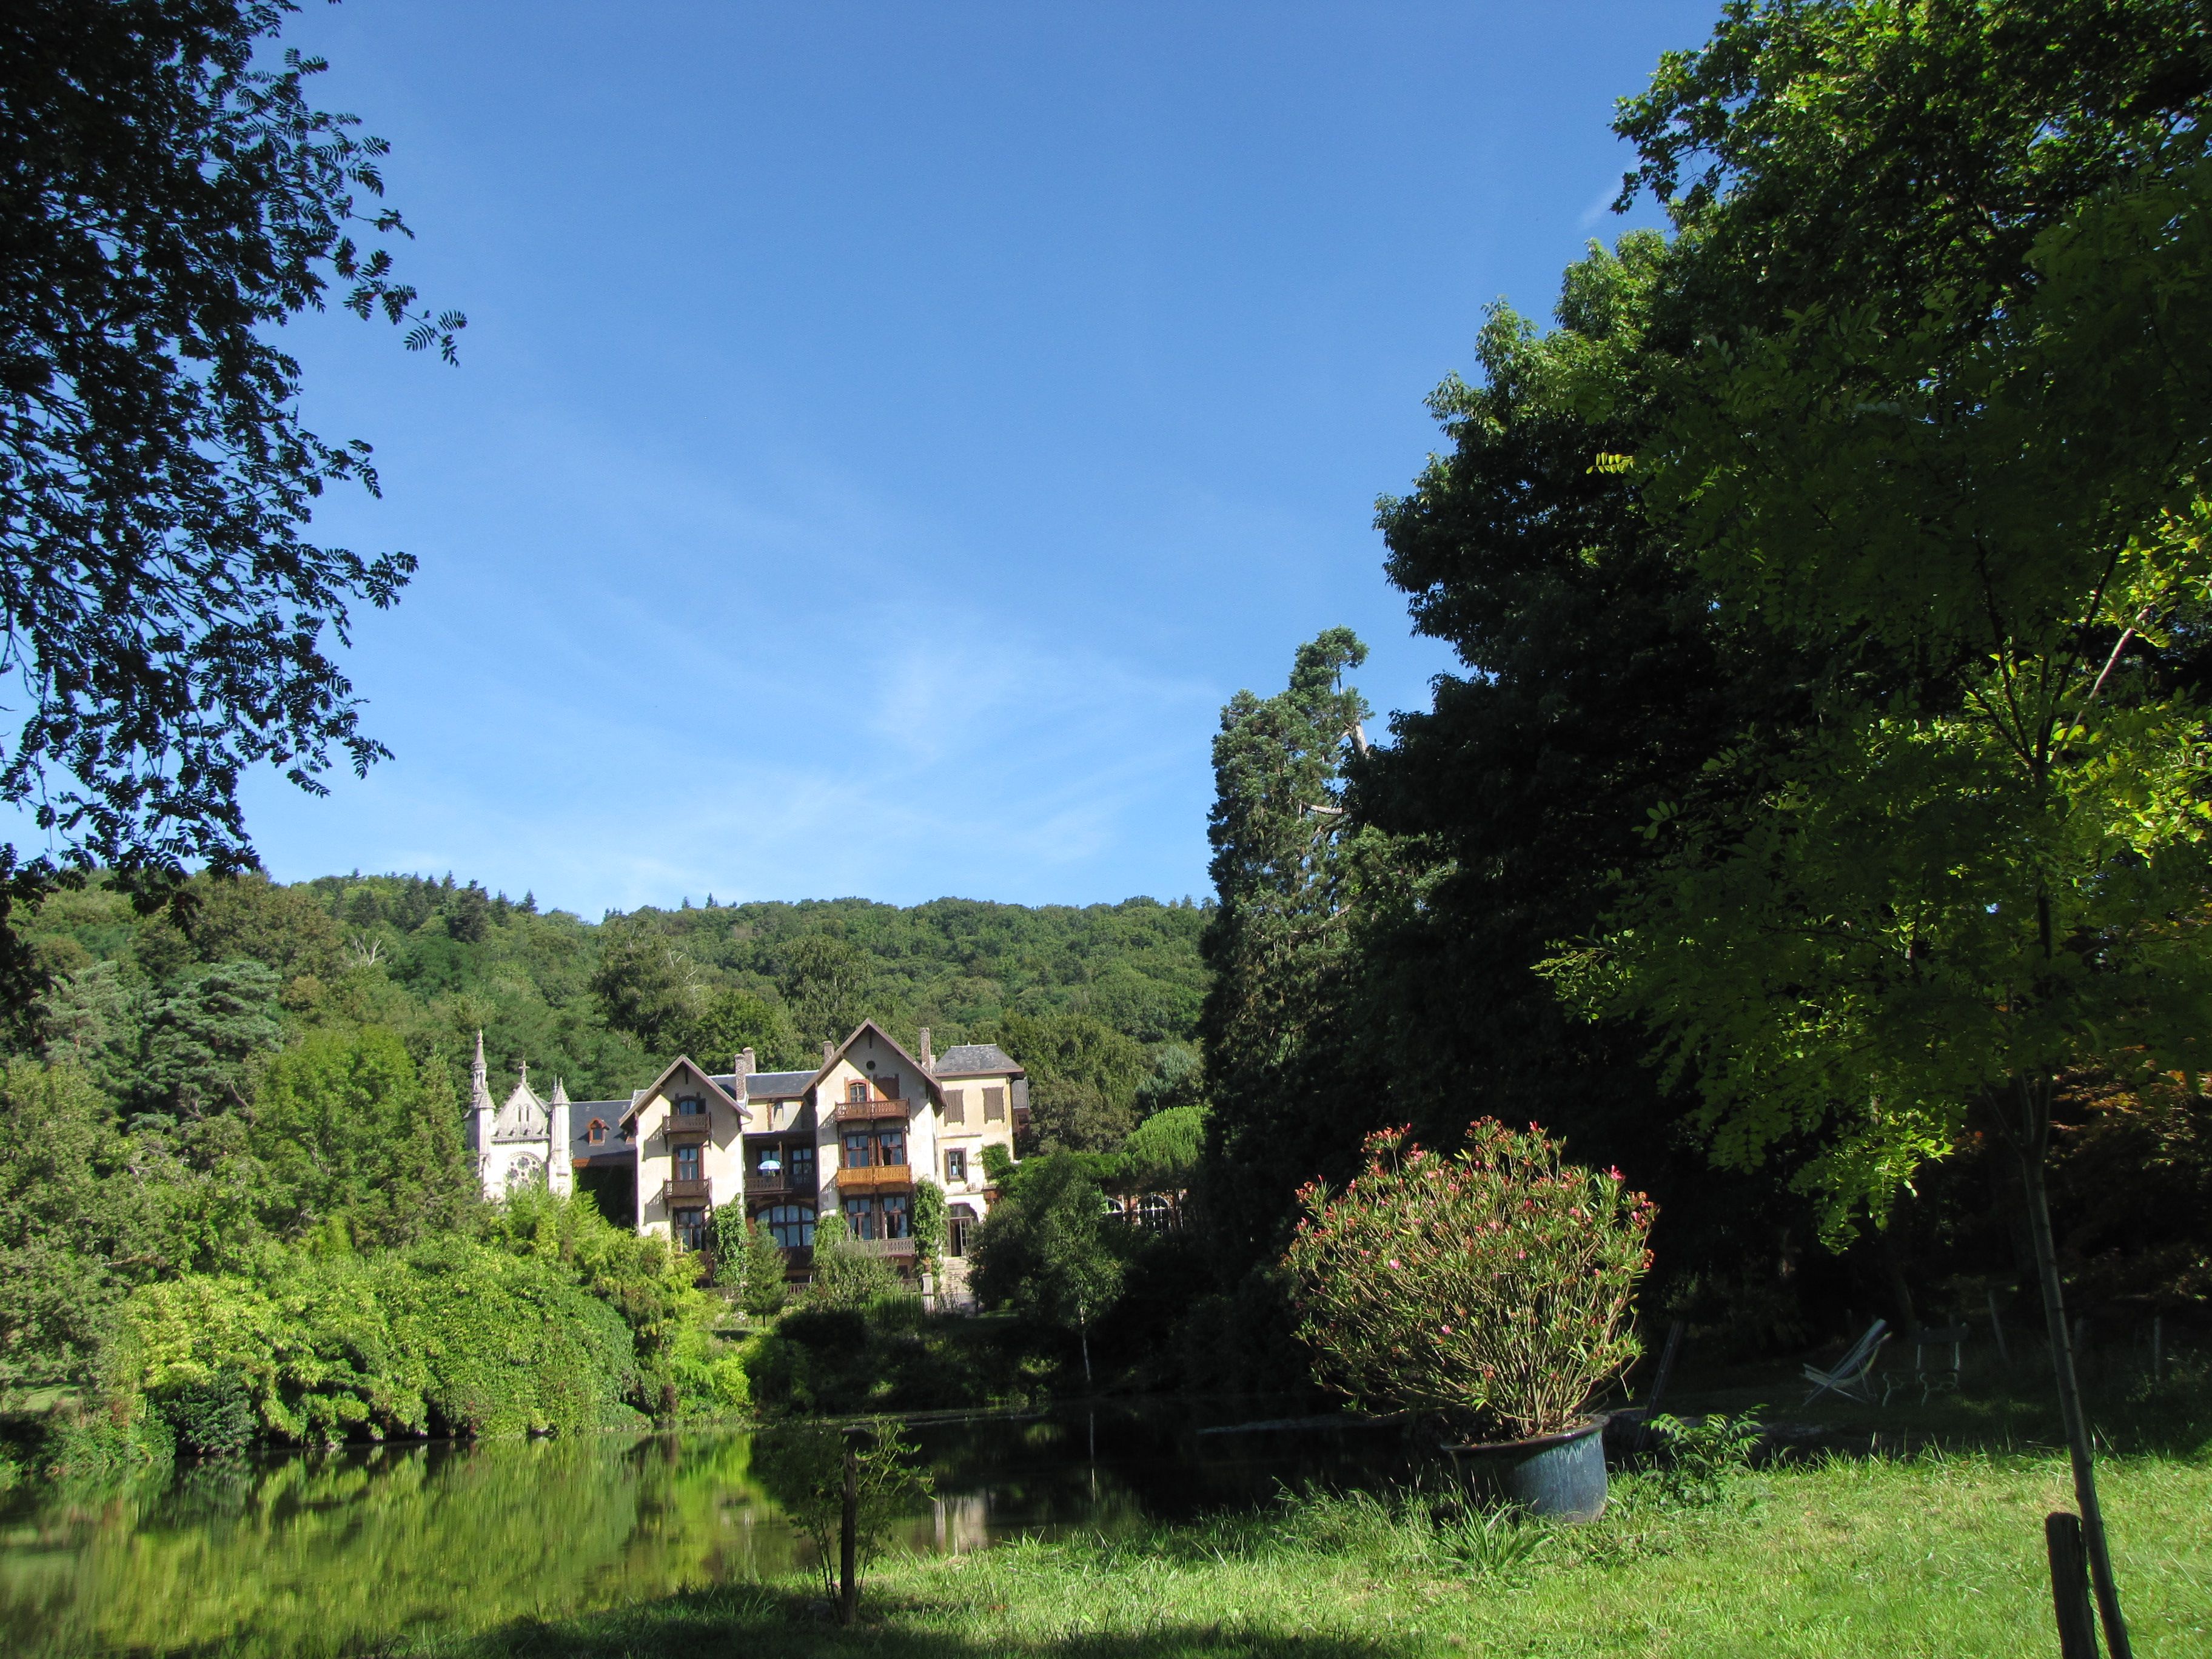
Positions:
{"x": 1561, "y": 1476}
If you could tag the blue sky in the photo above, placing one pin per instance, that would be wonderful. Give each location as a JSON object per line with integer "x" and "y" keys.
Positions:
{"x": 887, "y": 433}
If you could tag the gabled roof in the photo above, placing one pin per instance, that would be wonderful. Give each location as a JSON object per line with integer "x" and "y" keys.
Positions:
{"x": 868, "y": 1027}
{"x": 524, "y": 1117}
{"x": 975, "y": 1060}
{"x": 680, "y": 1065}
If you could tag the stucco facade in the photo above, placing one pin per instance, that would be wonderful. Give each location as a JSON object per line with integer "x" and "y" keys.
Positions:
{"x": 850, "y": 1138}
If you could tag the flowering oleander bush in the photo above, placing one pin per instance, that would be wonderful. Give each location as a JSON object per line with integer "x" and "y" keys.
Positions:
{"x": 1491, "y": 1288}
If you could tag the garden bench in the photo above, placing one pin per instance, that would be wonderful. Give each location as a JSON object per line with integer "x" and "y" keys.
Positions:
{"x": 1852, "y": 1376}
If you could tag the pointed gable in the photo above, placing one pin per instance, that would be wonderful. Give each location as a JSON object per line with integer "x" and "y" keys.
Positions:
{"x": 869, "y": 1028}
{"x": 525, "y": 1116}
{"x": 681, "y": 1075}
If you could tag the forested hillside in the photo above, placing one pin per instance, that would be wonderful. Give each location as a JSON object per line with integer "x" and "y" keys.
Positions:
{"x": 1100, "y": 1001}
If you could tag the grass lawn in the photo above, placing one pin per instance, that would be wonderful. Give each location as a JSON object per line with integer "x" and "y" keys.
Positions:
{"x": 1938, "y": 1553}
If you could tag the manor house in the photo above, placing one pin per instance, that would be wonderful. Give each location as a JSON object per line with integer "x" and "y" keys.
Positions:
{"x": 851, "y": 1136}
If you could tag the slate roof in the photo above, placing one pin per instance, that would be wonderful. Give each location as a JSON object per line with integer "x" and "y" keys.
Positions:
{"x": 608, "y": 1112}
{"x": 768, "y": 1085}
{"x": 973, "y": 1059}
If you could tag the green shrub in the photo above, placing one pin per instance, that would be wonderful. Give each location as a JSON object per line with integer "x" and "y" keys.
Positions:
{"x": 802, "y": 1466}
{"x": 1491, "y": 1288}
{"x": 453, "y": 1336}
{"x": 845, "y": 1276}
{"x": 214, "y": 1416}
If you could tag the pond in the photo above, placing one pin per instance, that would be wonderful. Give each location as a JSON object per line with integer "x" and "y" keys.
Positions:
{"x": 341, "y": 1552}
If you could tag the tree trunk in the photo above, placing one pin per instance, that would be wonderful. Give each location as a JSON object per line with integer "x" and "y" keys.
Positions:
{"x": 2035, "y": 1102}
{"x": 1083, "y": 1327}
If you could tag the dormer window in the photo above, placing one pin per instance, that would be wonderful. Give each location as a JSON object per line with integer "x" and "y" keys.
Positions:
{"x": 597, "y": 1133}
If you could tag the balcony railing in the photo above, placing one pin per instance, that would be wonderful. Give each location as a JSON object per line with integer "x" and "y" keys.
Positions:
{"x": 692, "y": 1127}
{"x": 883, "y": 1247}
{"x": 761, "y": 1183}
{"x": 875, "y": 1177}
{"x": 863, "y": 1111}
{"x": 686, "y": 1192}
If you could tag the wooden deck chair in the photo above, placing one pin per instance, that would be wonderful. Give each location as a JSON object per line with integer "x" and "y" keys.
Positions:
{"x": 1852, "y": 1376}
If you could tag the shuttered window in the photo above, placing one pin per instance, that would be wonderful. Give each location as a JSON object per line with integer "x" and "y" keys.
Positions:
{"x": 995, "y": 1105}
{"x": 956, "y": 1105}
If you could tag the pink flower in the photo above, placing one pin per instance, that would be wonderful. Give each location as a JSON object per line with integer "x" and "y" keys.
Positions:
{"x": 1446, "y": 1329}
{"x": 1397, "y": 1264}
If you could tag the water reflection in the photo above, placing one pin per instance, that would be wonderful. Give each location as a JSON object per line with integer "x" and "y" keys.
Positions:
{"x": 325, "y": 1555}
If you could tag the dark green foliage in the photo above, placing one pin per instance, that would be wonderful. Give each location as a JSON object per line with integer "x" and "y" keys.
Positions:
{"x": 748, "y": 1259}
{"x": 349, "y": 1131}
{"x": 1084, "y": 1078}
{"x": 840, "y": 1361}
{"x": 204, "y": 1038}
{"x": 213, "y": 1418}
{"x": 77, "y": 1229}
{"x": 1281, "y": 1058}
{"x": 825, "y": 982}
{"x": 172, "y": 198}
{"x": 1047, "y": 1252}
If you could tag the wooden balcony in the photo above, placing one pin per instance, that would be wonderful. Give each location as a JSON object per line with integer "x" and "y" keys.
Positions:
{"x": 876, "y": 1178}
{"x": 686, "y": 1193}
{"x": 865, "y": 1111}
{"x": 776, "y": 1182}
{"x": 691, "y": 1128}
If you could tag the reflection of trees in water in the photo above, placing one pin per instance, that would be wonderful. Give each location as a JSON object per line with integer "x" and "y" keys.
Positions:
{"x": 317, "y": 1555}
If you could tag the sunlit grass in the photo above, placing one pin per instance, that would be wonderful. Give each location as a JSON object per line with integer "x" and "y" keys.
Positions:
{"x": 1938, "y": 1554}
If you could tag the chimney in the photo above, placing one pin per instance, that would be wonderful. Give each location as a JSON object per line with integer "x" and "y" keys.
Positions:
{"x": 746, "y": 1065}
{"x": 828, "y": 1051}
{"x": 928, "y": 1054}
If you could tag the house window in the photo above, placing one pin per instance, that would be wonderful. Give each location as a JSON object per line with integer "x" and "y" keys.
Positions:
{"x": 956, "y": 1167}
{"x": 856, "y": 1092}
{"x": 769, "y": 1161}
{"x": 597, "y": 1133}
{"x": 958, "y": 1223}
{"x": 790, "y": 1226}
{"x": 861, "y": 1218}
{"x": 686, "y": 1162}
{"x": 956, "y": 1105}
{"x": 800, "y": 1159}
{"x": 887, "y": 1085}
{"x": 896, "y": 1222}
{"x": 691, "y": 1229}
{"x": 890, "y": 1147}
{"x": 689, "y": 1106}
{"x": 995, "y": 1105}
{"x": 858, "y": 1146}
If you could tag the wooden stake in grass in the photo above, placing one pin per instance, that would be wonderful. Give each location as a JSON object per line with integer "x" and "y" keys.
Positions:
{"x": 849, "y": 1530}
{"x": 2070, "y": 1586}
{"x": 2031, "y": 1140}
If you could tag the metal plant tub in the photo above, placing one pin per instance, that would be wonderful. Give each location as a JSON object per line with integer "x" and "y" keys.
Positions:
{"x": 1560, "y": 1476}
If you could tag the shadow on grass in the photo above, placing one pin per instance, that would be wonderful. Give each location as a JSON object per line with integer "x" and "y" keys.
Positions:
{"x": 768, "y": 1622}
{"x": 1997, "y": 1410}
